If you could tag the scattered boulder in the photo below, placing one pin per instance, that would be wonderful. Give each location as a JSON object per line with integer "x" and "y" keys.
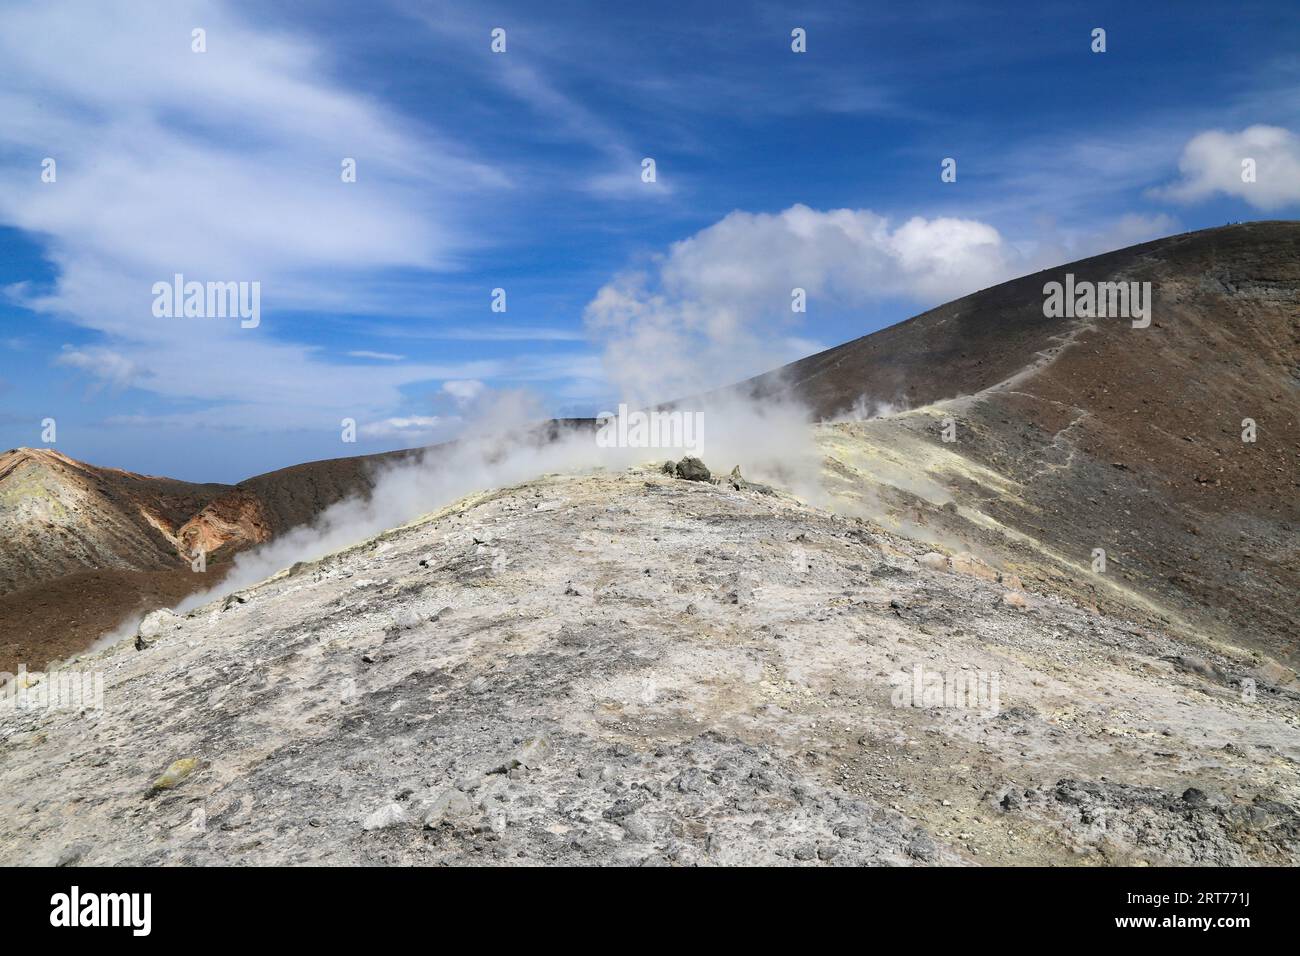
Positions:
{"x": 155, "y": 625}
{"x": 921, "y": 846}
{"x": 530, "y": 756}
{"x": 934, "y": 561}
{"x": 452, "y": 808}
{"x": 1273, "y": 674}
{"x": 1012, "y": 801}
{"x": 72, "y": 855}
{"x": 407, "y": 619}
{"x": 690, "y": 780}
{"x": 387, "y": 816}
{"x": 175, "y": 774}
{"x": 966, "y": 563}
{"x": 738, "y": 482}
{"x": 692, "y": 469}
{"x": 534, "y": 753}
{"x": 637, "y": 827}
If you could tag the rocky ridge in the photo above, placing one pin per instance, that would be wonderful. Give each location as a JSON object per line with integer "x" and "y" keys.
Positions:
{"x": 643, "y": 669}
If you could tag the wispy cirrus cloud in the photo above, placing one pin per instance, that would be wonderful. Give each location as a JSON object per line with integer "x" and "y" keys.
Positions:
{"x": 378, "y": 356}
{"x": 480, "y": 333}
{"x": 104, "y": 365}
{"x": 219, "y": 165}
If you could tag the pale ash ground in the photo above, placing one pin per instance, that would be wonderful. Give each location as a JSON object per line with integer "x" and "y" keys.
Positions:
{"x": 633, "y": 668}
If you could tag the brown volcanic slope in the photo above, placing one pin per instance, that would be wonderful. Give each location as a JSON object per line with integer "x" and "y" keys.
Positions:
{"x": 264, "y": 506}
{"x": 81, "y": 547}
{"x": 1231, "y": 290}
{"x": 84, "y": 547}
{"x": 1113, "y": 437}
{"x": 61, "y": 516}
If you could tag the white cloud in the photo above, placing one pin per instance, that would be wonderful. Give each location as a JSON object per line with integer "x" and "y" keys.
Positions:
{"x": 717, "y": 306}
{"x": 222, "y": 165}
{"x": 1212, "y": 161}
{"x": 464, "y": 391}
{"x": 226, "y": 161}
{"x": 380, "y": 356}
{"x": 109, "y": 367}
{"x": 413, "y": 428}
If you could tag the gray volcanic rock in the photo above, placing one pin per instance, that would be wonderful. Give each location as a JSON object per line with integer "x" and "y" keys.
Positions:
{"x": 343, "y": 714}
{"x": 691, "y": 469}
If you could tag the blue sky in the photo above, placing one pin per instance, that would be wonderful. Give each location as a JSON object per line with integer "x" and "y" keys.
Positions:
{"x": 522, "y": 170}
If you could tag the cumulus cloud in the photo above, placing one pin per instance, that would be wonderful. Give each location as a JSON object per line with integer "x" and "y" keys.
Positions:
{"x": 717, "y": 305}
{"x": 1212, "y": 164}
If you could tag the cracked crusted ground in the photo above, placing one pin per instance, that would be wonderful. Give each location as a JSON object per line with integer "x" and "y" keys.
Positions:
{"x": 630, "y": 668}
